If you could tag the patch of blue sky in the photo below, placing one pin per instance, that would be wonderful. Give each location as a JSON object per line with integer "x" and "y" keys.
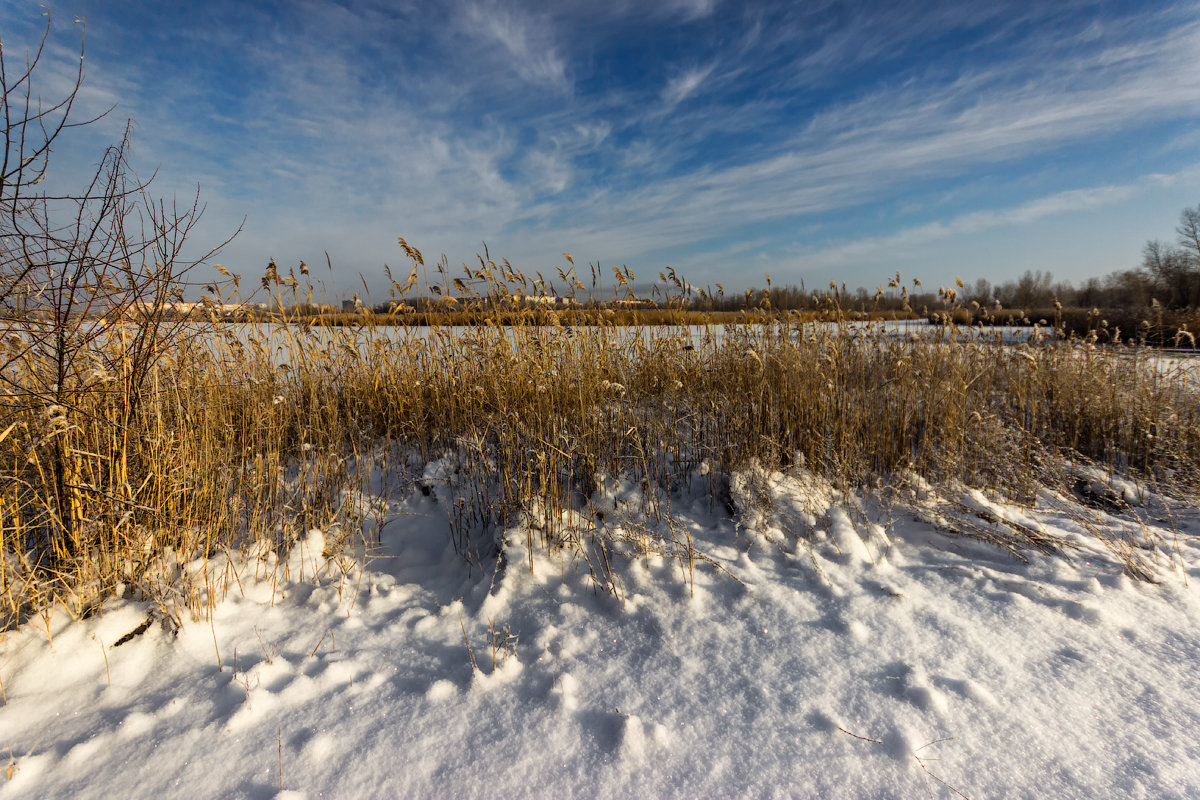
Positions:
{"x": 799, "y": 138}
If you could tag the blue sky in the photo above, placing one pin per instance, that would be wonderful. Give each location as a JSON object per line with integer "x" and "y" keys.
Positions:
{"x": 812, "y": 141}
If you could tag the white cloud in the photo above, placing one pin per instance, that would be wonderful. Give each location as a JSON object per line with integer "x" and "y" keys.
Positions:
{"x": 491, "y": 136}
{"x": 685, "y": 84}
{"x": 908, "y": 244}
{"x": 1076, "y": 200}
{"x": 692, "y": 9}
{"x": 868, "y": 148}
{"x": 532, "y": 52}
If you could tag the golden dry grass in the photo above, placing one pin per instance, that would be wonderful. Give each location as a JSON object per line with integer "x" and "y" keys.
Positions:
{"x": 241, "y": 438}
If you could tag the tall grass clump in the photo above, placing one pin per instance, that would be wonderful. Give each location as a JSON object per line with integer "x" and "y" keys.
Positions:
{"x": 146, "y": 454}
{"x": 237, "y": 439}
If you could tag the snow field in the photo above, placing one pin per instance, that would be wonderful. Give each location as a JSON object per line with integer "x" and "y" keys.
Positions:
{"x": 845, "y": 654}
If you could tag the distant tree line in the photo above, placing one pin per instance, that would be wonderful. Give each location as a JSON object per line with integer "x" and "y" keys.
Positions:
{"x": 1156, "y": 299}
{"x": 1168, "y": 276}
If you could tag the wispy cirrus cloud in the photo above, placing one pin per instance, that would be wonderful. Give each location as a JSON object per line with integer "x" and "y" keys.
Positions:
{"x": 867, "y": 147}
{"x": 685, "y": 84}
{"x": 528, "y": 41}
{"x": 1075, "y": 200}
{"x": 636, "y": 132}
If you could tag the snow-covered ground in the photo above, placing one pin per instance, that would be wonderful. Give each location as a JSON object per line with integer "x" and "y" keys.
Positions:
{"x": 834, "y": 653}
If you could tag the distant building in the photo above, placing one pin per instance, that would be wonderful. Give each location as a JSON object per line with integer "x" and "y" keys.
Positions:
{"x": 181, "y": 308}
{"x": 546, "y": 300}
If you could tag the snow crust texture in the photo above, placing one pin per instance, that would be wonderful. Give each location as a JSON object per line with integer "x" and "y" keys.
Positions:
{"x": 840, "y": 655}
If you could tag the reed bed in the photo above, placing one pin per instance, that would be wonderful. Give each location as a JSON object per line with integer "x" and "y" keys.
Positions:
{"x": 598, "y": 314}
{"x": 236, "y": 440}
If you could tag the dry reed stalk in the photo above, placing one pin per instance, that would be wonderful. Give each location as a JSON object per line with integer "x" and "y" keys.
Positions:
{"x": 239, "y": 439}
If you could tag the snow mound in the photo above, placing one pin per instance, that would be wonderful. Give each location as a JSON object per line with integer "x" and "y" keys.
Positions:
{"x": 806, "y": 646}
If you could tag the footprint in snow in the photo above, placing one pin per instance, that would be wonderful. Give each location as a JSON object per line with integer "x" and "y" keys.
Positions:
{"x": 967, "y": 689}
{"x": 910, "y": 683}
{"x": 625, "y": 736}
{"x": 821, "y": 721}
{"x": 1010, "y": 590}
